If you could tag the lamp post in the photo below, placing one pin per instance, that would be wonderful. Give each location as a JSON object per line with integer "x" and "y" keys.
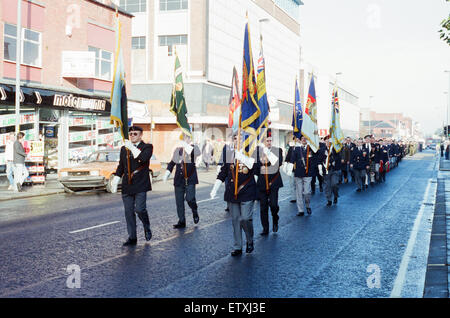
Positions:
{"x": 370, "y": 119}
{"x": 18, "y": 60}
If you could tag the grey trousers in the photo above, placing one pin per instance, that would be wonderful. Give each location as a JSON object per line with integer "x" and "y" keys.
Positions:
{"x": 135, "y": 204}
{"x": 331, "y": 184}
{"x": 293, "y": 187}
{"x": 359, "y": 177}
{"x": 242, "y": 219}
{"x": 181, "y": 193}
{"x": 303, "y": 188}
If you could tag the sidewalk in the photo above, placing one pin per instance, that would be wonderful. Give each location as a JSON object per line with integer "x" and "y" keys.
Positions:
{"x": 52, "y": 186}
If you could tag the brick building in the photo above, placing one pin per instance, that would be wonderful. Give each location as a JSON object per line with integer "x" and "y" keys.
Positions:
{"x": 386, "y": 125}
{"x": 66, "y": 74}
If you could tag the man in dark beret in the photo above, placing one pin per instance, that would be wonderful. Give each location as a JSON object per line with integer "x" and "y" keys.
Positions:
{"x": 135, "y": 182}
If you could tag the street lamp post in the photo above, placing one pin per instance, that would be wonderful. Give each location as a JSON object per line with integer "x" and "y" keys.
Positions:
{"x": 370, "y": 119}
{"x": 18, "y": 60}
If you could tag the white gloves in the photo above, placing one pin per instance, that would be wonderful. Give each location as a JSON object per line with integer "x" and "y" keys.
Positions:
{"x": 270, "y": 155}
{"x": 320, "y": 170}
{"x": 244, "y": 159}
{"x": 218, "y": 169}
{"x": 166, "y": 176}
{"x": 188, "y": 148}
{"x": 134, "y": 150}
{"x": 215, "y": 188}
{"x": 114, "y": 184}
{"x": 289, "y": 169}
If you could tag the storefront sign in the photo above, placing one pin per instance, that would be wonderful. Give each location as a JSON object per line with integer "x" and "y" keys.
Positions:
{"x": 36, "y": 97}
{"x": 78, "y": 64}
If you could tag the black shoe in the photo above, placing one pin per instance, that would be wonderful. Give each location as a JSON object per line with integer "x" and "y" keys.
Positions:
{"x": 148, "y": 234}
{"x": 293, "y": 201}
{"x": 321, "y": 189}
{"x": 300, "y": 213}
{"x": 275, "y": 227}
{"x": 179, "y": 225}
{"x": 264, "y": 233}
{"x": 313, "y": 192}
{"x": 335, "y": 200}
{"x": 196, "y": 218}
{"x": 236, "y": 253}
{"x": 227, "y": 210}
{"x": 308, "y": 210}
{"x": 358, "y": 190}
{"x": 130, "y": 242}
{"x": 250, "y": 248}
{"x": 329, "y": 203}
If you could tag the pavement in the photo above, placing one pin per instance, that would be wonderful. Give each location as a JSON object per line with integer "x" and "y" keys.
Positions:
{"x": 373, "y": 244}
{"x": 51, "y": 186}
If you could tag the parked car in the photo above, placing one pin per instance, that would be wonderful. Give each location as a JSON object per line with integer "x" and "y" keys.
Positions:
{"x": 96, "y": 171}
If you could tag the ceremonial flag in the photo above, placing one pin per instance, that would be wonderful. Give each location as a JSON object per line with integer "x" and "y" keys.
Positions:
{"x": 234, "y": 103}
{"x": 297, "y": 118}
{"x": 119, "y": 112}
{"x": 337, "y": 136}
{"x": 249, "y": 105}
{"x": 262, "y": 96}
{"x": 178, "y": 103}
{"x": 309, "y": 127}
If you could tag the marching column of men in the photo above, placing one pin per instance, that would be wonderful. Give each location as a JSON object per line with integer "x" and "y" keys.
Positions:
{"x": 250, "y": 178}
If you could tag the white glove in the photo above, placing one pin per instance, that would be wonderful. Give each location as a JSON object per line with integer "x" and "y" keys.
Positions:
{"x": 114, "y": 184}
{"x": 320, "y": 170}
{"x": 256, "y": 178}
{"x": 166, "y": 176}
{"x": 283, "y": 167}
{"x": 272, "y": 158}
{"x": 245, "y": 160}
{"x": 188, "y": 148}
{"x": 134, "y": 150}
{"x": 215, "y": 188}
{"x": 218, "y": 169}
{"x": 289, "y": 169}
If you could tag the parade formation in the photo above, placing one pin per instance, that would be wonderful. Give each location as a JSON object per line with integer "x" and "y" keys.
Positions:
{"x": 250, "y": 166}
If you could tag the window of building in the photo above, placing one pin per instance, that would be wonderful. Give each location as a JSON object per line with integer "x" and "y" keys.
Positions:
{"x": 103, "y": 63}
{"x": 170, "y": 40}
{"x": 31, "y": 45}
{"x": 133, "y": 6}
{"x": 170, "y": 5}
{"x": 138, "y": 42}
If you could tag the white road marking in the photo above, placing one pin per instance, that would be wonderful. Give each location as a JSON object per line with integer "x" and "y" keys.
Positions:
{"x": 400, "y": 279}
{"x": 94, "y": 227}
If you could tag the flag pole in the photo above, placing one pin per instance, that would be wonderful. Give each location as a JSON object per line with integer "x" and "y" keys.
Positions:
{"x": 237, "y": 161}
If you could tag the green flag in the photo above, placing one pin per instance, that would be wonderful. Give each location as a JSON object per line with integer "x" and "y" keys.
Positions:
{"x": 178, "y": 103}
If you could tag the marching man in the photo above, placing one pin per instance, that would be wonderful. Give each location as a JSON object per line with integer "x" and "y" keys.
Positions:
{"x": 185, "y": 179}
{"x": 241, "y": 197}
{"x": 329, "y": 167}
{"x": 269, "y": 182}
{"x": 305, "y": 165}
{"x": 135, "y": 183}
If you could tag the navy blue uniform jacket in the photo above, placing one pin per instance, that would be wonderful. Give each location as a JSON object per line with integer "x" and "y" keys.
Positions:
{"x": 300, "y": 161}
{"x": 274, "y": 175}
{"x": 360, "y": 159}
{"x": 178, "y": 159}
{"x": 140, "y": 181}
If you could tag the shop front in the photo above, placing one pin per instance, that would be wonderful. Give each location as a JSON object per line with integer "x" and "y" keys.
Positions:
{"x": 62, "y": 127}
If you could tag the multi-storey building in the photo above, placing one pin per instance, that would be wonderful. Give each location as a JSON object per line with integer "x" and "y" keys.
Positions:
{"x": 208, "y": 38}
{"x": 66, "y": 70}
{"x": 387, "y": 125}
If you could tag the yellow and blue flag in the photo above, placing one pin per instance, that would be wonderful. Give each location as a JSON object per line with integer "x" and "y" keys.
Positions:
{"x": 336, "y": 134}
{"x": 297, "y": 118}
{"x": 262, "y": 96}
{"x": 119, "y": 111}
{"x": 249, "y": 106}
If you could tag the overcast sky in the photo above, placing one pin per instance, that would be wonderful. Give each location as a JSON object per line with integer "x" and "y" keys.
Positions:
{"x": 389, "y": 49}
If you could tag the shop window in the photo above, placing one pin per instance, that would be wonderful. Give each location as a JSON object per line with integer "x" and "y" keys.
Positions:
{"x": 31, "y": 45}
{"x": 170, "y": 5}
{"x": 103, "y": 63}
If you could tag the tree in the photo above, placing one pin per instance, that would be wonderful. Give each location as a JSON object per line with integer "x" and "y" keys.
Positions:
{"x": 445, "y": 30}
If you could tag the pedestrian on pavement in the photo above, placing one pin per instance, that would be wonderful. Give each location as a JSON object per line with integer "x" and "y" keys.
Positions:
{"x": 329, "y": 167}
{"x": 359, "y": 162}
{"x": 442, "y": 149}
{"x": 135, "y": 182}
{"x": 305, "y": 162}
{"x": 185, "y": 179}
{"x": 241, "y": 203}
{"x": 269, "y": 182}
{"x": 447, "y": 152}
{"x": 207, "y": 154}
{"x": 9, "y": 157}
{"x": 20, "y": 172}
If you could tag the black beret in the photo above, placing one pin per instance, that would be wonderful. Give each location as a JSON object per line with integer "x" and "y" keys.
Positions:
{"x": 136, "y": 128}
